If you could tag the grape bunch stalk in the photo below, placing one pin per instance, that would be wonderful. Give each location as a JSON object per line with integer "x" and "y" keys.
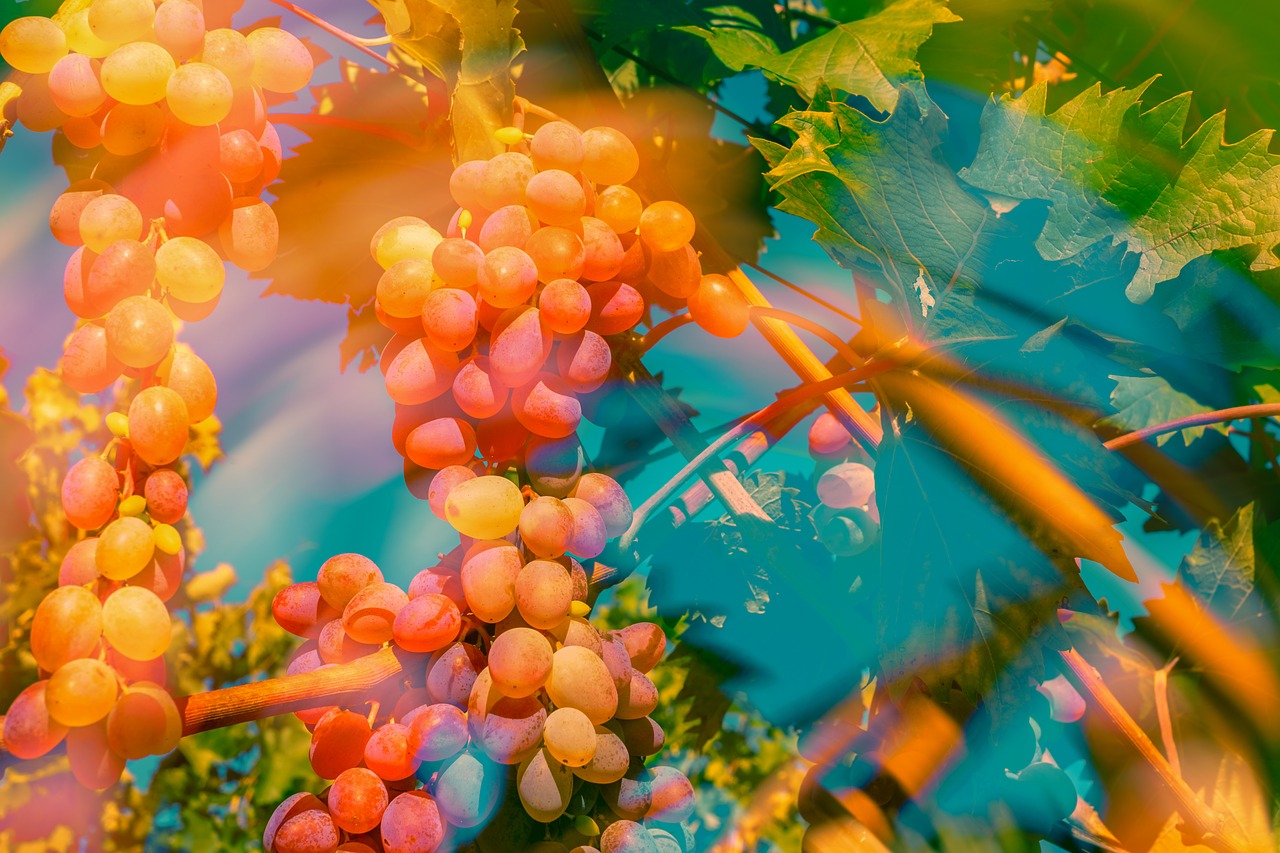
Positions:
{"x": 167, "y": 105}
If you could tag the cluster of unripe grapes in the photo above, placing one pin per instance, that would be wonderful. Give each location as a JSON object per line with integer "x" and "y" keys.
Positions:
{"x": 504, "y": 322}
{"x": 847, "y": 519}
{"x": 519, "y": 689}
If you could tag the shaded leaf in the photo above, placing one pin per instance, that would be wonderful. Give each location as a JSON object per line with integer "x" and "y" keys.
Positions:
{"x": 1223, "y": 566}
{"x": 1143, "y": 401}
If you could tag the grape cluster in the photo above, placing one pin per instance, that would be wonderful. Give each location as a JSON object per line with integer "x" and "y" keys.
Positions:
{"x": 848, "y": 519}
{"x": 520, "y": 689}
{"x": 505, "y": 321}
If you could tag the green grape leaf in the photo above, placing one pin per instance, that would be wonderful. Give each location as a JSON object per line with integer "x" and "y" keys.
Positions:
{"x": 471, "y": 45}
{"x": 1113, "y": 171}
{"x": 978, "y": 48}
{"x": 1143, "y": 401}
{"x": 1223, "y": 567}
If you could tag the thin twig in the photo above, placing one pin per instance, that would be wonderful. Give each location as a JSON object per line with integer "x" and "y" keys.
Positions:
{"x": 1235, "y": 413}
{"x": 1161, "y": 684}
{"x": 829, "y": 337}
{"x": 813, "y": 297}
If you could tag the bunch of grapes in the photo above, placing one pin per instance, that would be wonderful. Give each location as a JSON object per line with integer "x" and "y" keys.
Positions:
{"x": 519, "y": 688}
{"x": 848, "y": 519}
{"x": 506, "y": 320}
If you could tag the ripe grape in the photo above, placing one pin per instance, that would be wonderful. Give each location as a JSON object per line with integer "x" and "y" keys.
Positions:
{"x": 489, "y": 573}
{"x": 281, "y": 62}
{"x": 583, "y": 361}
{"x": 604, "y": 252}
{"x": 250, "y": 235}
{"x": 307, "y": 832}
{"x": 129, "y": 129}
{"x": 120, "y": 21}
{"x": 519, "y": 661}
{"x": 387, "y": 752}
{"x": 580, "y": 680}
{"x": 618, "y": 661}
{"x": 179, "y": 28}
{"x": 570, "y": 736}
{"x": 453, "y": 672}
{"x": 827, "y": 436}
{"x": 35, "y": 109}
{"x": 442, "y": 484}
{"x": 546, "y": 527}
{"x": 543, "y": 593}
{"x": 449, "y": 317}
{"x": 158, "y": 425}
{"x": 556, "y": 253}
{"x": 484, "y": 508}
{"x": 344, "y": 575}
{"x": 608, "y": 156}
{"x": 109, "y": 218}
{"x": 666, "y": 226}
{"x": 67, "y": 626}
{"x": 544, "y": 786}
{"x": 334, "y": 646}
{"x": 338, "y": 742}
{"x": 137, "y": 73}
{"x": 33, "y": 44}
{"x": 564, "y": 306}
{"x": 438, "y": 732}
{"x": 504, "y": 179}
{"x": 645, "y": 644}
{"x": 719, "y": 307}
{"x": 556, "y": 198}
{"x": 136, "y": 623}
{"x": 80, "y": 37}
{"x": 125, "y": 547}
{"x": 412, "y": 824}
{"x": 630, "y": 797}
{"x": 672, "y": 797}
{"x": 589, "y": 535}
{"x": 125, "y": 269}
{"x": 553, "y": 465}
{"x": 500, "y": 438}
{"x": 199, "y": 94}
{"x": 508, "y": 277}
{"x": 620, "y": 208}
{"x": 301, "y": 610}
{"x": 166, "y": 495}
{"x": 190, "y": 377}
{"x": 457, "y": 261}
{"x": 505, "y": 728}
{"x": 90, "y": 492}
{"x": 371, "y": 612}
{"x": 610, "y": 762}
{"x": 81, "y": 692}
{"x": 82, "y": 132}
{"x": 94, "y": 764}
{"x": 189, "y": 269}
{"x": 74, "y": 85}
{"x": 557, "y": 145}
{"x": 439, "y": 580}
{"x": 508, "y": 226}
{"x": 29, "y": 731}
{"x": 404, "y": 286}
{"x": 615, "y": 307}
{"x": 476, "y": 391}
{"x": 576, "y": 631}
{"x": 357, "y": 800}
{"x": 643, "y": 736}
{"x": 519, "y": 346}
{"x": 420, "y": 372}
{"x": 139, "y": 331}
{"x": 240, "y": 156}
{"x": 609, "y": 499}
{"x": 145, "y": 721}
{"x": 638, "y": 699}
{"x": 64, "y": 216}
{"x": 547, "y": 406}
{"x": 676, "y": 273}
{"x": 427, "y": 623}
{"x": 291, "y": 807}
{"x": 848, "y": 485}
{"x": 79, "y": 566}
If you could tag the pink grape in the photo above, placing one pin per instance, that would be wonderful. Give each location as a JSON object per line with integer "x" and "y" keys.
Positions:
{"x": 505, "y": 728}
{"x": 544, "y": 786}
{"x": 565, "y": 306}
{"x": 442, "y": 483}
{"x": 450, "y": 318}
{"x": 453, "y": 672}
{"x": 589, "y": 535}
{"x": 158, "y": 425}
{"x": 166, "y": 494}
{"x": 250, "y": 235}
{"x": 608, "y": 156}
{"x": 610, "y": 761}
{"x": 338, "y": 742}
{"x": 489, "y": 573}
{"x": 508, "y": 277}
{"x": 29, "y": 731}
{"x": 387, "y": 752}
{"x": 609, "y": 499}
{"x": 301, "y": 610}
{"x": 476, "y": 390}
{"x": 556, "y": 198}
{"x": 583, "y": 361}
{"x": 672, "y": 797}
{"x": 126, "y": 268}
{"x": 163, "y": 575}
{"x": 615, "y": 307}
{"x": 307, "y": 832}
{"x": 508, "y": 226}
{"x": 520, "y": 661}
{"x": 426, "y": 623}
{"x": 639, "y": 699}
{"x": 412, "y": 824}
{"x": 464, "y": 184}
{"x": 189, "y": 375}
{"x": 90, "y": 492}
{"x": 79, "y": 566}
{"x": 64, "y": 216}
{"x": 93, "y": 763}
{"x": 420, "y": 372}
{"x": 239, "y": 154}
{"x": 676, "y": 273}
{"x": 557, "y": 145}
{"x": 438, "y": 732}
{"x": 719, "y": 307}
{"x": 457, "y": 261}
{"x": 850, "y": 484}
{"x": 357, "y": 800}
{"x": 544, "y": 592}
{"x": 620, "y": 208}
{"x": 519, "y": 346}
{"x": 334, "y": 646}
{"x": 504, "y": 180}
{"x": 441, "y": 442}
{"x": 666, "y": 226}
{"x": 645, "y": 643}
{"x": 546, "y": 526}
{"x": 827, "y": 436}
{"x": 547, "y": 407}
{"x": 371, "y": 612}
{"x": 556, "y": 253}
{"x": 467, "y": 790}
{"x": 439, "y": 580}
{"x": 75, "y": 86}
{"x": 343, "y": 575}
{"x": 179, "y": 28}
{"x": 603, "y": 250}
{"x": 139, "y": 331}
{"x": 554, "y": 465}
{"x": 643, "y": 736}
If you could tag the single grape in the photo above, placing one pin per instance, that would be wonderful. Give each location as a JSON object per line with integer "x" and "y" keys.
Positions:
{"x": 672, "y": 796}
{"x": 90, "y": 492}
{"x": 121, "y": 21}
{"x": 453, "y": 672}
{"x": 387, "y": 752}
{"x": 144, "y": 721}
{"x": 570, "y": 736}
{"x": 845, "y": 486}
{"x": 630, "y": 797}
{"x": 139, "y": 331}
{"x": 457, "y": 261}
{"x": 199, "y": 94}
{"x": 489, "y": 572}
{"x": 136, "y": 623}
{"x": 477, "y": 392}
{"x": 580, "y": 680}
{"x": 676, "y": 273}
{"x": 615, "y": 307}
{"x": 520, "y": 661}
{"x": 281, "y": 62}
{"x": 179, "y": 28}
{"x": 420, "y": 372}
{"x": 75, "y": 87}
{"x": 158, "y": 425}
{"x": 334, "y": 646}
{"x": 507, "y": 729}
{"x": 109, "y": 218}
{"x": 638, "y": 699}
{"x": 29, "y": 731}
{"x": 357, "y": 800}
{"x": 554, "y": 465}
{"x": 344, "y": 575}
{"x": 240, "y": 156}
{"x": 719, "y": 307}
{"x": 442, "y": 484}
{"x": 827, "y": 436}
{"x": 371, "y": 612}
{"x": 190, "y": 378}
{"x": 426, "y": 623}
{"x": 189, "y": 269}
{"x": 610, "y": 761}
{"x": 301, "y": 610}
{"x": 439, "y": 580}
{"x": 484, "y": 508}
{"x": 583, "y": 361}
{"x": 67, "y": 626}
{"x": 610, "y": 500}
{"x": 125, "y": 269}
{"x": 93, "y": 763}
{"x": 544, "y": 593}
{"x": 404, "y": 286}
{"x": 608, "y": 156}
{"x": 603, "y": 252}
{"x": 547, "y": 406}
{"x": 338, "y": 742}
{"x": 645, "y": 643}
{"x": 504, "y": 180}
{"x": 544, "y": 786}
{"x": 519, "y": 346}
{"x": 81, "y": 38}
{"x": 589, "y": 536}
{"x": 556, "y": 253}
{"x": 33, "y": 44}
{"x": 129, "y": 129}
{"x": 564, "y": 306}
{"x": 36, "y": 110}
{"x": 666, "y": 226}
{"x": 450, "y": 318}
{"x": 137, "y": 73}
{"x": 125, "y": 547}
{"x": 250, "y": 235}
{"x": 81, "y": 692}
{"x": 557, "y": 145}
{"x": 620, "y": 208}
{"x": 556, "y": 198}
{"x": 643, "y": 736}
{"x": 509, "y": 226}
{"x": 79, "y": 565}
{"x": 507, "y": 278}
{"x": 546, "y": 527}
{"x": 291, "y": 807}
{"x": 307, "y": 832}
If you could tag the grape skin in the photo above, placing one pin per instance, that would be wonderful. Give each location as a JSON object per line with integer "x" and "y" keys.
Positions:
{"x": 520, "y": 661}
{"x": 81, "y": 692}
{"x": 357, "y": 800}
{"x": 136, "y": 623}
{"x": 580, "y": 680}
{"x": 29, "y": 730}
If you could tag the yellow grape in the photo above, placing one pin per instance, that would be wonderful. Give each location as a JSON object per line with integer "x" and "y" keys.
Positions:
{"x": 579, "y": 679}
{"x": 179, "y": 27}
{"x": 228, "y": 51}
{"x": 137, "y": 73}
{"x": 158, "y": 424}
{"x": 139, "y": 331}
{"x": 118, "y": 423}
{"x": 610, "y": 762}
{"x": 189, "y": 268}
{"x": 406, "y": 241}
{"x": 544, "y": 592}
{"x": 484, "y": 508}
{"x": 109, "y": 218}
{"x": 67, "y": 626}
{"x": 81, "y": 692}
{"x": 136, "y": 623}
{"x": 281, "y": 62}
{"x": 125, "y": 548}
{"x": 666, "y": 226}
{"x": 520, "y": 661}
{"x": 32, "y": 44}
{"x": 121, "y": 21}
{"x": 608, "y": 156}
{"x": 82, "y": 39}
{"x": 133, "y": 505}
{"x": 544, "y": 785}
{"x": 167, "y": 539}
{"x": 570, "y": 736}
{"x": 188, "y": 375}
{"x": 128, "y": 130}
{"x": 145, "y": 721}
{"x": 199, "y": 94}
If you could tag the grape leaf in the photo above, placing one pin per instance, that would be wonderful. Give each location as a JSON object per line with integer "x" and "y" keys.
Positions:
{"x": 1143, "y": 401}
{"x": 981, "y": 45}
{"x": 1111, "y": 170}
{"x": 471, "y": 45}
{"x": 1223, "y": 567}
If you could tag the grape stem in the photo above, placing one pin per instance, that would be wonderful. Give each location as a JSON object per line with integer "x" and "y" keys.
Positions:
{"x": 1235, "y": 413}
{"x": 831, "y": 338}
{"x": 661, "y": 330}
{"x": 363, "y": 45}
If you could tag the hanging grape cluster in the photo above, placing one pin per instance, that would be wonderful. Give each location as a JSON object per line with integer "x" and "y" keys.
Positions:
{"x": 167, "y": 103}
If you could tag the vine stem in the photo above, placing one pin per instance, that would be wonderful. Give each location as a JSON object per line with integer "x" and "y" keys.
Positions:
{"x": 1235, "y": 413}
{"x": 1212, "y": 829}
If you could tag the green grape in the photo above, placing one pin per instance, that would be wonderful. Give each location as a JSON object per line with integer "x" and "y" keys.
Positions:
{"x": 484, "y": 508}
{"x": 570, "y": 737}
{"x": 81, "y": 692}
{"x": 158, "y": 424}
{"x": 109, "y": 218}
{"x": 608, "y": 156}
{"x": 137, "y": 73}
{"x": 144, "y": 721}
{"x": 125, "y": 548}
{"x": 136, "y": 623}
{"x": 281, "y": 62}
{"x": 579, "y": 679}
{"x": 543, "y": 593}
{"x": 520, "y": 661}
{"x": 121, "y": 21}
{"x": 544, "y": 786}
{"x": 199, "y": 94}
{"x": 66, "y": 627}
{"x": 33, "y": 44}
